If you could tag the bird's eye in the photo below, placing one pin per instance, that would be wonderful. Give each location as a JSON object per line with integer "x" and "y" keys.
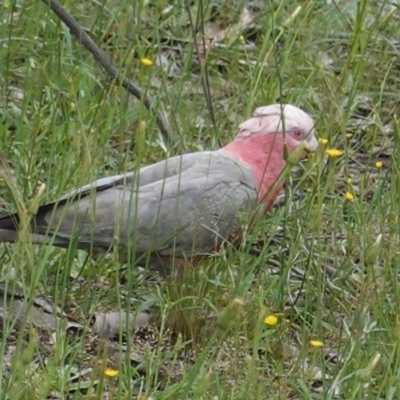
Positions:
{"x": 297, "y": 133}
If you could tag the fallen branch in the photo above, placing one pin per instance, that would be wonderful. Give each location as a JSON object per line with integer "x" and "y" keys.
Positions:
{"x": 105, "y": 61}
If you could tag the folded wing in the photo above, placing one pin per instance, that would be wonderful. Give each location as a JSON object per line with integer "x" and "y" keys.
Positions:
{"x": 187, "y": 212}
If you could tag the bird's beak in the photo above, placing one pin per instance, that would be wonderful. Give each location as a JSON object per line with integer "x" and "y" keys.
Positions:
{"x": 311, "y": 145}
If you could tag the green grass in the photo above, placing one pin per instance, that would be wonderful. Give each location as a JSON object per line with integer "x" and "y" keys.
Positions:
{"x": 65, "y": 124}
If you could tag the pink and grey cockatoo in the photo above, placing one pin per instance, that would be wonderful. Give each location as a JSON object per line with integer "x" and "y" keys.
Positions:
{"x": 182, "y": 207}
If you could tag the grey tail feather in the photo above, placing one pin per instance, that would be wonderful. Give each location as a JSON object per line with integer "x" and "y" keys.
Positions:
{"x": 9, "y": 228}
{"x": 9, "y": 222}
{"x": 11, "y": 236}
{"x": 7, "y": 235}
{"x": 9, "y": 232}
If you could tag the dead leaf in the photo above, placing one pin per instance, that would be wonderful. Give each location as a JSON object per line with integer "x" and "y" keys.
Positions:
{"x": 214, "y": 33}
{"x": 40, "y": 312}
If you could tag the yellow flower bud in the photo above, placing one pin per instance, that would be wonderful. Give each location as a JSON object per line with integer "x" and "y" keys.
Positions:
{"x": 349, "y": 196}
{"x": 316, "y": 343}
{"x": 146, "y": 62}
{"x": 270, "y": 320}
{"x": 334, "y": 153}
{"x": 111, "y": 373}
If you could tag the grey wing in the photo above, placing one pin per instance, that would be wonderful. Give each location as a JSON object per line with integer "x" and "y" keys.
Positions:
{"x": 193, "y": 215}
{"x": 187, "y": 213}
{"x": 146, "y": 175}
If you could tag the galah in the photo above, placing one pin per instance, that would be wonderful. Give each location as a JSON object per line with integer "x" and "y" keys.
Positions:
{"x": 183, "y": 207}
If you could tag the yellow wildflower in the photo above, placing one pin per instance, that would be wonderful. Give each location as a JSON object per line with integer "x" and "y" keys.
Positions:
{"x": 241, "y": 39}
{"x": 348, "y": 181}
{"x": 349, "y": 196}
{"x": 334, "y": 153}
{"x": 111, "y": 373}
{"x": 146, "y": 62}
{"x": 379, "y": 164}
{"x": 270, "y": 320}
{"x": 323, "y": 141}
{"x": 316, "y": 343}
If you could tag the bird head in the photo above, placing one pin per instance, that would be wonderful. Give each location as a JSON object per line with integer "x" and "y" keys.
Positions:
{"x": 296, "y": 126}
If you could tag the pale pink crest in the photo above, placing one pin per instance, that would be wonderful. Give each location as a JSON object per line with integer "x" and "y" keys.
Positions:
{"x": 276, "y": 118}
